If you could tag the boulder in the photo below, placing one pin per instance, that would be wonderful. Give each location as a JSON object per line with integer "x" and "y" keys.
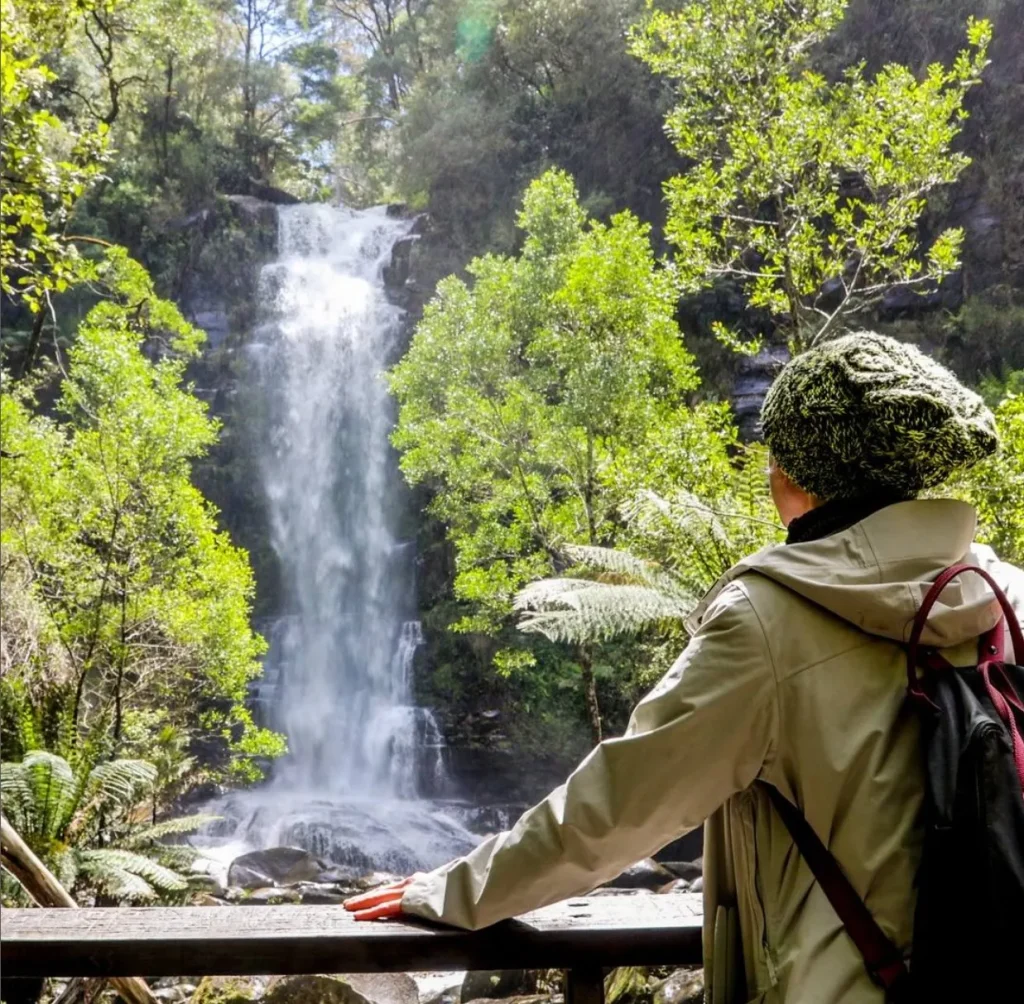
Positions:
{"x": 646, "y": 874}
{"x": 491, "y": 984}
{"x": 684, "y": 986}
{"x": 274, "y": 866}
{"x": 396, "y": 273}
{"x": 385, "y": 988}
{"x": 368, "y": 988}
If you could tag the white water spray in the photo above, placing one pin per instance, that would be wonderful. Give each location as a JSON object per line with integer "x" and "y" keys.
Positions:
{"x": 339, "y": 670}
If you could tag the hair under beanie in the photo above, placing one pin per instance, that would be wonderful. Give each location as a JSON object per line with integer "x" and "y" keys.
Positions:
{"x": 865, "y": 415}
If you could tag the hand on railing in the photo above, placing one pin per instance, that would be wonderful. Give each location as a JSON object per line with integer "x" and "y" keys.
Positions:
{"x": 381, "y": 904}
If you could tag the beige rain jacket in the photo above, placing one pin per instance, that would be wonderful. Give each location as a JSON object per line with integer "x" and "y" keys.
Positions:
{"x": 793, "y": 676}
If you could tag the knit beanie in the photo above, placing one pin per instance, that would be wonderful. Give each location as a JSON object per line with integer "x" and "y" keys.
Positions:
{"x": 866, "y": 415}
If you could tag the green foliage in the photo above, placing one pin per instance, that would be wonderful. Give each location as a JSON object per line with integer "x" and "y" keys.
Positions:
{"x": 521, "y": 395}
{"x": 996, "y": 486}
{"x": 47, "y": 164}
{"x": 808, "y": 191}
{"x": 528, "y": 399}
{"x": 687, "y": 542}
{"x": 87, "y": 824}
{"x": 112, "y": 554}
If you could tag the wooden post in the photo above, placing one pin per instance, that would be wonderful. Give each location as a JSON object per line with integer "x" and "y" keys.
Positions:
{"x": 39, "y": 882}
{"x": 584, "y": 986}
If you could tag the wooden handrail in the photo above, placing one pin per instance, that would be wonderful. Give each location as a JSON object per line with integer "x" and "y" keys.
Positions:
{"x": 584, "y": 936}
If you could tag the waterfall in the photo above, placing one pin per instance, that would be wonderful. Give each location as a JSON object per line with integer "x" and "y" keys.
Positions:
{"x": 345, "y": 698}
{"x": 339, "y": 681}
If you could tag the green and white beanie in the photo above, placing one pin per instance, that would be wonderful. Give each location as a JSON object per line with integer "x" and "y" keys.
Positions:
{"x": 865, "y": 415}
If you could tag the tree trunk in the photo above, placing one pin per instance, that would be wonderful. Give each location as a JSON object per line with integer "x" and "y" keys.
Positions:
{"x": 18, "y": 858}
{"x": 590, "y": 693}
{"x": 32, "y": 349}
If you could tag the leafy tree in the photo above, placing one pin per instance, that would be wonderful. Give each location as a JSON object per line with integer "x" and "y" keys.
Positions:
{"x": 807, "y": 191}
{"x": 46, "y": 164}
{"x": 118, "y": 552}
{"x": 526, "y": 398}
{"x": 84, "y": 826}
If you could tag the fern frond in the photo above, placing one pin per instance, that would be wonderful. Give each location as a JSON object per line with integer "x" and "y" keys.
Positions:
{"x": 122, "y": 783}
{"x": 622, "y": 564}
{"x": 168, "y": 828}
{"x": 105, "y": 874}
{"x": 137, "y": 876}
{"x": 599, "y": 611}
{"x": 177, "y": 857}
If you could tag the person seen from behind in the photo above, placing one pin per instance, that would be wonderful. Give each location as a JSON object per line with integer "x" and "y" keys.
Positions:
{"x": 795, "y": 676}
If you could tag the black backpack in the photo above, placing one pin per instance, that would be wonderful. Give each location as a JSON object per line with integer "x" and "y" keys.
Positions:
{"x": 969, "y": 924}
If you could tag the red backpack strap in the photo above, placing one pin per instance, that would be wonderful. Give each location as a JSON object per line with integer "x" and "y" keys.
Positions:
{"x": 882, "y": 958}
{"x": 992, "y": 656}
{"x": 914, "y": 655}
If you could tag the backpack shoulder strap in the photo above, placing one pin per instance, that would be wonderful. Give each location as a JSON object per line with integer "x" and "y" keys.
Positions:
{"x": 882, "y": 958}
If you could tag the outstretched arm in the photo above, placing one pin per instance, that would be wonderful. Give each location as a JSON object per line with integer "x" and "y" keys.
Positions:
{"x": 701, "y": 735}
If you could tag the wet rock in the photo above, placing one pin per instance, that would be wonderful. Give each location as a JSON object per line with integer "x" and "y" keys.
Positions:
{"x": 226, "y": 990}
{"x": 646, "y": 874}
{"x": 373, "y": 988}
{"x": 396, "y": 273}
{"x": 439, "y": 988}
{"x": 320, "y": 894}
{"x": 385, "y": 988}
{"x": 274, "y": 866}
{"x": 397, "y": 210}
{"x": 272, "y": 194}
{"x": 688, "y": 870}
{"x": 491, "y": 984}
{"x": 685, "y": 986}
{"x": 697, "y": 885}
{"x": 253, "y": 211}
{"x": 271, "y": 896}
{"x": 676, "y": 885}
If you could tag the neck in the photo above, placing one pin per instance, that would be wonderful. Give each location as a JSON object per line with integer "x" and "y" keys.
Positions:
{"x": 835, "y": 516}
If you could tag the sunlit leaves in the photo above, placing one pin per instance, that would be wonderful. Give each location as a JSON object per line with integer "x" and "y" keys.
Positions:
{"x": 117, "y": 550}
{"x": 525, "y": 397}
{"x": 809, "y": 192}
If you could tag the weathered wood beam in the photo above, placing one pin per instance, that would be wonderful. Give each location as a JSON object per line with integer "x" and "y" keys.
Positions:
{"x": 40, "y": 883}
{"x": 585, "y": 935}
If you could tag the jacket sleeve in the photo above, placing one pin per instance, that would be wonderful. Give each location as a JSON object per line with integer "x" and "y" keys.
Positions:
{"x": 701, "y": 735}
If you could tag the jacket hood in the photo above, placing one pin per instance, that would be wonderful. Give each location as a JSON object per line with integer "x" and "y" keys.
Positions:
{"x": 876, "y": 573}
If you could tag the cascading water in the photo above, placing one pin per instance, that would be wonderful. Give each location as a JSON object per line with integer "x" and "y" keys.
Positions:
{"x": 339, "y": 670}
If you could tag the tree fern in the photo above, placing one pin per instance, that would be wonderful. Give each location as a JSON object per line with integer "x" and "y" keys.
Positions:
{"x": 38, "y": 794}
{"x": 616, "y": 592}
{"x": 63, "y": 813}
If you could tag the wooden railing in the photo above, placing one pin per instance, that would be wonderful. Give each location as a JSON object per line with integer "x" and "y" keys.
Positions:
{"x": 584, "y": 937}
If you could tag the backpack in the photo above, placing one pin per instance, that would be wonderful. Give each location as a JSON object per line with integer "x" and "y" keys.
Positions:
{"x": 969, "y": 921}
